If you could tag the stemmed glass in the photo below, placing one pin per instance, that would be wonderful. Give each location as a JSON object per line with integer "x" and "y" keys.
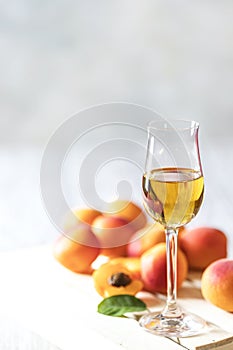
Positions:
{"x": 173, "y": 187}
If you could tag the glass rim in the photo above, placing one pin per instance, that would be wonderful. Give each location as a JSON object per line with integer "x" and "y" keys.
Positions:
{"x": 168, "y": 125}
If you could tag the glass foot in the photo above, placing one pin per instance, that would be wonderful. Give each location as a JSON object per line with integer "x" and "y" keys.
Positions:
{"x": 186, "y": 325}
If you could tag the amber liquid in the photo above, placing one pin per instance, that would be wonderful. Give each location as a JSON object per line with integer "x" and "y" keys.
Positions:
{"x": 173, "y": 196}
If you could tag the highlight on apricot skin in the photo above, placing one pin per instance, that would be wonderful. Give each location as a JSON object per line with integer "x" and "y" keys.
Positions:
{"x": 78, "y": 251}
{"x": 154, "y": 268}
{"x": 128, "y": 211}
{"x": 107, "y": 254}
{"x": 202, "y": 246}
{"x": 145, "y": 239}
{"x": 217, "y": 284}
{"x": 114, "y": 279}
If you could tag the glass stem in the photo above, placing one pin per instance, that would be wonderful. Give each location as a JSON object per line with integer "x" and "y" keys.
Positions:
{"x": 171, "y": 308}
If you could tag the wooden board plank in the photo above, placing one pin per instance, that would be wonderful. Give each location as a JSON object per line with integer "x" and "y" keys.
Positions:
{"x": 61, "y": 307}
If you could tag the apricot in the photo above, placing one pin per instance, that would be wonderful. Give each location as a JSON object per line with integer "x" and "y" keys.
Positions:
{"x": 181, "y": 231}
{"x": 114, "y": 279}
{"x": 217, "y": 284}
{"x": 145, "y": 238}
{"x": 78, "y": 250}
{"x": 113, "y": 233}
{"x": 86, "y": 215}
{"x": 202, "y": 246}
{"x": 154, "y": 268}
{"x": 113, "y": 252}
{"x": 128, "y": 211}
{"x": 77, "y": 216}
{"x": 132, "y": 264}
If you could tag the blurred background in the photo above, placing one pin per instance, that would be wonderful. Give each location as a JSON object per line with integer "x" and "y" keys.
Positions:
{"x": 59, "y": 57}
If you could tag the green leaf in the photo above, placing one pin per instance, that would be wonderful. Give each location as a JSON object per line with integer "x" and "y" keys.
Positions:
{"x": 118, "y": 305}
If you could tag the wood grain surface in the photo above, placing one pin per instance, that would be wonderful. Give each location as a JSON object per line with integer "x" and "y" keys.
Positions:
{"x": 61, "y": 307}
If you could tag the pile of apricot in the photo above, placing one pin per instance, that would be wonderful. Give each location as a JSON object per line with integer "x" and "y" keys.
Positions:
{"x": 125, "y": 253}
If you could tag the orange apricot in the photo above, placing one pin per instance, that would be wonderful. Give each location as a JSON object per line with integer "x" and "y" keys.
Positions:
{"x": 114, "y": 252}
{"x": 202, "y": 246}
{"x": 112, "y": 232}
{"x": 133, "y": 264}
{"x": 128, "y": 211}
{"x": 77, "y": 216}
{"x": 154, "y": 268}
{"x": 145, "y": 238}
{"x": 114, "y": 279}
{"x": 217, "y": 284}
{"x": 78, "y": 250}
{"x": 86, "y": 215}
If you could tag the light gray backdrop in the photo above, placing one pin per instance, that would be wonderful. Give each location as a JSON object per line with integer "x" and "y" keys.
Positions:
{"x": 58, "y": 57}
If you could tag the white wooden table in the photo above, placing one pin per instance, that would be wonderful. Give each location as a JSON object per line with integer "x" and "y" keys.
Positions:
{"x": 47, "y": 306}
{"x": 59, "y": 306}
{"x": 14, "y": 336}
